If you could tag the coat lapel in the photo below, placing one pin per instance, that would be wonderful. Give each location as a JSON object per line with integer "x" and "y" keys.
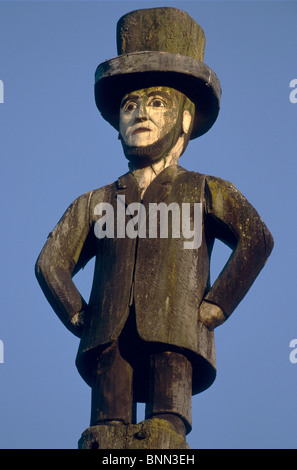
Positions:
{"x": 156, "y": 192}
{"x": 128, "y": 187}
{"x": 162, "y": 184}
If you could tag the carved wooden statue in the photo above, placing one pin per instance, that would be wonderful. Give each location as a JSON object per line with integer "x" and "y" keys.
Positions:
{"x": 147, "y": 330}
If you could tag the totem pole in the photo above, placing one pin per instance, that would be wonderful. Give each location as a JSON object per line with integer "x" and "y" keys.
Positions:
{"x": 147, "y": 331}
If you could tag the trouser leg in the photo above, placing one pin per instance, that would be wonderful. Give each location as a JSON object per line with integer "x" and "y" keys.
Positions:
{"x": 170, "y": 390}
{"x": 112, "y": 390}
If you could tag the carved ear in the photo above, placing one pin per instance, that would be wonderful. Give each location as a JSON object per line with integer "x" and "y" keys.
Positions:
{"x": 187, "y": 118}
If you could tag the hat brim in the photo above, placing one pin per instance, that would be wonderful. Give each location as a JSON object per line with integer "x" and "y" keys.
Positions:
{"x": 120, "y": 75}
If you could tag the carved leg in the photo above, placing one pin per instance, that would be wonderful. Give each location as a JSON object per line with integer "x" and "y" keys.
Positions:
{"x": 112, "y": 390}
{"x": 112, "y": 403}
{"x": 170, "y": 390}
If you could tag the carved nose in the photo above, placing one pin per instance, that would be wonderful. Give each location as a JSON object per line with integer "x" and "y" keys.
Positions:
{"x": 140, "y": 118}
{"x": 141, "y": 114}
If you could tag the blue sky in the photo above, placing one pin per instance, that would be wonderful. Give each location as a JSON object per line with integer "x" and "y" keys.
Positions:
{"x": 55, "y": 146}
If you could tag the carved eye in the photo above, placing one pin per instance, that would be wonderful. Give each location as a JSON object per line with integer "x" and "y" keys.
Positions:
{"x": 130, "y": 106}
{"x": 158, "y": 103}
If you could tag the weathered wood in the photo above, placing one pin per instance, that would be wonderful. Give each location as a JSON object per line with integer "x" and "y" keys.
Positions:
{"x": 147, "y": 330}
{"x": 159, "y": 46}
{"x": 155, "y": 29}
{"x": 171, "y": 389}
{"x": 150, "y": 434}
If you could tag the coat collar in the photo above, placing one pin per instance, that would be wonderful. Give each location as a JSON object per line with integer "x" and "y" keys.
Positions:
{"x": 156, "y": 192}
{"x": 125, "y": 181}
{"x": 166, "y": 176}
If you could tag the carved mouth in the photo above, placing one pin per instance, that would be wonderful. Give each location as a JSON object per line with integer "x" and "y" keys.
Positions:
{"x": 139, "y": 130}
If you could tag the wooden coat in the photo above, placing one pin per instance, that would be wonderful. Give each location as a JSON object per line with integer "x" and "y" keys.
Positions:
{"x": 167, "y": 281}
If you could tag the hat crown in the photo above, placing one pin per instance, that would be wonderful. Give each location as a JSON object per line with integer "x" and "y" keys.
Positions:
{"x": 163, "y": 29}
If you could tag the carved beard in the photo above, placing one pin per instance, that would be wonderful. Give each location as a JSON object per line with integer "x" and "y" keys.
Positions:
{"x": 143, "y": 156}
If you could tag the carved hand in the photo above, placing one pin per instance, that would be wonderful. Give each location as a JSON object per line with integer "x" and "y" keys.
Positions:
{"x": 211, "y": 315}
{"x": 77, "y": 320}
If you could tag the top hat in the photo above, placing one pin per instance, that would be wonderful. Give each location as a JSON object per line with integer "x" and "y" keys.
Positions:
{"x": 159, "y": 47}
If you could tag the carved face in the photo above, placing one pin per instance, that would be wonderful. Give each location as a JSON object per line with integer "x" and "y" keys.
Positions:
{"x": 147, "y": 115}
